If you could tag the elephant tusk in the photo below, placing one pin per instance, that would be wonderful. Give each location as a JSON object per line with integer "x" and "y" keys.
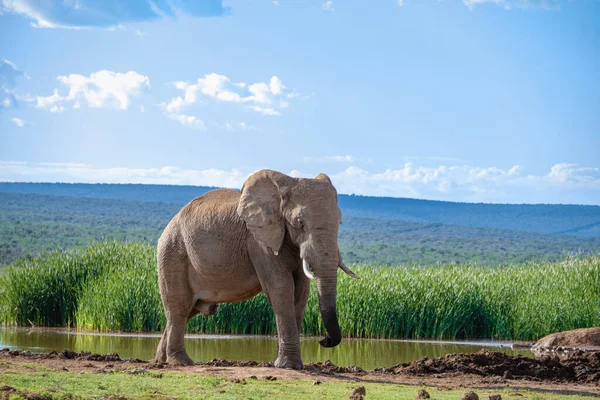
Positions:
{"x": 306, "y": 268}
{"x": 348, "y": 271}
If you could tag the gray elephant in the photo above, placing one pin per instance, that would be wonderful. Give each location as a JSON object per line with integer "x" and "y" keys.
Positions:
{"x": 228, "y": 246}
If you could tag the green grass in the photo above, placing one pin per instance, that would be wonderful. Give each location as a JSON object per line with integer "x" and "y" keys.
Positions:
{"x": 30, "y": 378}
{"x": 113, "y": 286}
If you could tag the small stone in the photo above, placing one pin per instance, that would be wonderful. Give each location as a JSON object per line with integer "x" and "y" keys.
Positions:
{"x": 360, "y": 390}
{"x": 358, "y": 393}
{"x": 270, "y": 378}
{"x": 422, "y": 394}
{"x": 494, "y": 397}
{"x": 316, "y": 383}
{"x": 470, "y": 396}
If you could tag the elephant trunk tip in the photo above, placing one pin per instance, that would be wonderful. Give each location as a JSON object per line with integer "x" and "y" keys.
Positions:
{"x": 330, "y": 342}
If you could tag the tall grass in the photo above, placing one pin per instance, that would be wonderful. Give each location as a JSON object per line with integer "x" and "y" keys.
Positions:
{"x": 113, "y": 286}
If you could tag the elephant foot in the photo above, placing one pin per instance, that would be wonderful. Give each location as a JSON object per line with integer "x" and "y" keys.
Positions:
{"x": 288, "y": 362}
{"x": 180, "y": 358}
{"x": 161, "y": 357}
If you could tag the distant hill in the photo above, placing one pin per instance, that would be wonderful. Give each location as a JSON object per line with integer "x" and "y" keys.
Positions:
{"x": 576, "y": 220}
{"x": 133, "y": 191}
{"x": 31, "y": 223}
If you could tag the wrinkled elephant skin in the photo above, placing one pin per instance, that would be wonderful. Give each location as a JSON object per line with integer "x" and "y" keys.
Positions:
{"x": 227, "y": 246}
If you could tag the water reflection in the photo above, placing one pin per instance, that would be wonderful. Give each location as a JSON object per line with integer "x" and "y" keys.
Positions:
{"x": 368, "y": 354}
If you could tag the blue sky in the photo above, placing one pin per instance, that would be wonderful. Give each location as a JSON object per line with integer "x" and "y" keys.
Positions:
{"x": 463, "y": 100}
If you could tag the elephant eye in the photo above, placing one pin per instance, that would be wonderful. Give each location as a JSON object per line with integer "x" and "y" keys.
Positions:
{"x": 300, "y": 222}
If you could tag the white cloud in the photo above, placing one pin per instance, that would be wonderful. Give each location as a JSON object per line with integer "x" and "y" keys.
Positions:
{"x": 508, "y": 4}
{"x": 261, "y": 97}
{"x": 9, "y": 73}
{"x": 187, "y": 120}
{"x": 400, "y": 3}
{"x": 233, "y": 126}
{"x": 76, "y": 14}
{"x": 76, "y": 172}
{"x": 564, "y": 183}
{"x": 574, "y": 174}
{"x": 140, "y": 33}
{"x": 276, "y": 85}
{"x": 469, "y": 183}
{"x": 338, "y": 159}
{"x": 18, "y": 122}
{"x": 264, "y": 110}
{"x": 102, "y": 89}
{"x": 328, "y": 6}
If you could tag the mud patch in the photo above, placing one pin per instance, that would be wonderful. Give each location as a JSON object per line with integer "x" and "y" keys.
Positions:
{"x": 579, "y": 367}
{"x": 491, "y": 368}
{"x": 329, "y": 368}
{"x": 69, "y": 355}
{"x": 220, "y": 362}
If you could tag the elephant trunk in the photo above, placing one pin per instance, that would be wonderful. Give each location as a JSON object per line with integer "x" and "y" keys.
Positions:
{"x": 327, "y": 291}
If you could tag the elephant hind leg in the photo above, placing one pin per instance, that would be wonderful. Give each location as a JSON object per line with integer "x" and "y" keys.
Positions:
{"x": 161, "y": 351}
{"x": 178, "y": 302}
{"x": 175, "y": 333}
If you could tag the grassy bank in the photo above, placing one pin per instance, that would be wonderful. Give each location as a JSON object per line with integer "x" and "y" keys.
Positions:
{"x": 113, "y": 286}
{"x": 24, "y": 380}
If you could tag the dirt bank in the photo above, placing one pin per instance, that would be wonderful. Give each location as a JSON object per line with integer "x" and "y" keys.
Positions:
{"x": 580, "y": 373}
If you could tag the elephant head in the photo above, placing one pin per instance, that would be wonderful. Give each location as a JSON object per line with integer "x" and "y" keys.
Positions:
{"x": 277, "y": 207}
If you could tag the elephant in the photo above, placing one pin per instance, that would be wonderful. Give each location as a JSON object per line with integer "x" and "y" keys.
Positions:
{"x": 274, "y": 235}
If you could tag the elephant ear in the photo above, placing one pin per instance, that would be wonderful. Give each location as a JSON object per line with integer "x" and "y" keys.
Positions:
{"x": 260, "y": 207}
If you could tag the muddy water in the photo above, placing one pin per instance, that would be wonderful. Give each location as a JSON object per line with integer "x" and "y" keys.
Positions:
{"x": 368, "y": 354}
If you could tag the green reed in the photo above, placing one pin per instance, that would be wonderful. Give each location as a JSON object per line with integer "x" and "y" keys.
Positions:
{"x": 113, "y": 286}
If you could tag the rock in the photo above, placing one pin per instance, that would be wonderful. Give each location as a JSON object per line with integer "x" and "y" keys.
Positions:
{"x": 584, "y": 337}
{"x": 67, "y": 355}
{"x": 422, "y": 394}
{"x": 470, "y": 396}
{"x": 270, "y": 378}
{"x": 358, "y": 393}
{"x": 316, "y": 383}
{"x": 494, "y": 397}
{"x": 360, "y": 390}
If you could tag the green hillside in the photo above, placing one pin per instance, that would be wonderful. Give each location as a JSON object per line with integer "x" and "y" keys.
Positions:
{"x": 32, "y": 223}
{"x": 574, "y": 220}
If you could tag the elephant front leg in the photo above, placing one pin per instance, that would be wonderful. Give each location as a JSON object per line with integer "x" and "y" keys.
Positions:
{"x": 288, "y": 348}
{"x": 277, "y": 281}
{"x": 281, "y": 297}
{"x": 301, "y": 292}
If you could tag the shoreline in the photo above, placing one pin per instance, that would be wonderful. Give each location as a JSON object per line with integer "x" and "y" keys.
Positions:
{"x": 489, "y": 372}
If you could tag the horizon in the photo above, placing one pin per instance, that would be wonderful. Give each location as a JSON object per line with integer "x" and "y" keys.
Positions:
{"x": 339, "y": 194}
{"x": 468, "y": 101}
